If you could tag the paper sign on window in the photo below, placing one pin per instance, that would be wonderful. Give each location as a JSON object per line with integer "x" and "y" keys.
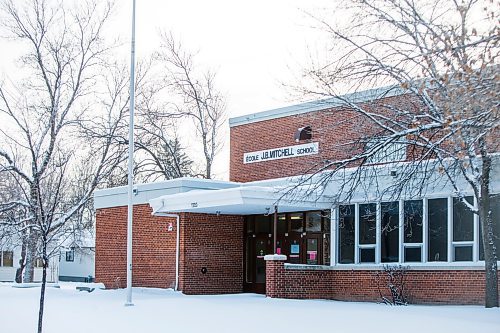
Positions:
{"x": 295, "y": 248}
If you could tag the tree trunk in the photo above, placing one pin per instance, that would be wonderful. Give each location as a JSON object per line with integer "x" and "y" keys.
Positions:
{"x": 22, "y": 264}
{"x": 488, "y": 237}
{"x": 208, "y": 171}
{"x": 29, "y": 273}
{"x": 42, "y": 289}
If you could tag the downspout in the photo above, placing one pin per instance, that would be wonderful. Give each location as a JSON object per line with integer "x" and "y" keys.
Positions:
{"x": 176, "y": 286}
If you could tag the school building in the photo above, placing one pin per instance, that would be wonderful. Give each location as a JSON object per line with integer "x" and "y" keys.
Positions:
{"x": 273, "y": 229}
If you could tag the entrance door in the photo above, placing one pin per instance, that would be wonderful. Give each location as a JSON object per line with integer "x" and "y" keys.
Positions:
{"x": 299, "y": 237}
{"x": 257, "y": 246}
{"x": 262, "y": 248}
{"x": 294, "y": 248}
{"x": 313, "y": 253}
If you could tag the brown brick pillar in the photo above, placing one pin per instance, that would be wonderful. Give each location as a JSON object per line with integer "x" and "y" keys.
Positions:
{"x": 274, "y": 275}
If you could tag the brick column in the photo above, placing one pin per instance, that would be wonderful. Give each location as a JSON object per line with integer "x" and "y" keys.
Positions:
{"x": 274, "y": 274}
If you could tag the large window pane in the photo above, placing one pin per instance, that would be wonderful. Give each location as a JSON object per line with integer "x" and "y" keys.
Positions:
{"x": 346, "y": 234}
{"x": 438, "y": 229}
{"x": 282, "y": 225}
{"x": 262, "y": 224}
{"x": 313, "y": 221}
{"x": 390, "y": 232}
{"x": 296, "y": 222}
{"x": 413, "y": 211}
{"x": 463, "y": 220}
{"x": 367, "y": 223}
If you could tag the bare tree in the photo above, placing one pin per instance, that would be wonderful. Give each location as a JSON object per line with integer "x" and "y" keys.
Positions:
{"x": 50, "y": 113}
{"x": 442, "y": 56}
{"x": 199, "y": 98}
{"x": 160, "y": 154}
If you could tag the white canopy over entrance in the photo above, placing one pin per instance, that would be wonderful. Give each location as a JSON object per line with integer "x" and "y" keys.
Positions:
{"x": 241, "y": 200}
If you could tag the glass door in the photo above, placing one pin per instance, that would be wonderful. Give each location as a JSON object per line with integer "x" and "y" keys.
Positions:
{"x": 313, "y": 249}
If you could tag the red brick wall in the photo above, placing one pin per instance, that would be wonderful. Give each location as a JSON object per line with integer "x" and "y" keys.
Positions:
{"x": 153, "y": 248}
{"x": 334, "y": 130}
{"x": 424, "y": 286}
{"x": 214, "y": 242}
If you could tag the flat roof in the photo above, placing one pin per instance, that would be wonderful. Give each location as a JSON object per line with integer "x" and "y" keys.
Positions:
{"x": 318, "y": 105}
{"x": 117, "y": 196}
{"x": 243, "y": 200}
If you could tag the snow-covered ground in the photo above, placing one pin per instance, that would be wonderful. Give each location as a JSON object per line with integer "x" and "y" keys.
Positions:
{"x": 155, "y": 310}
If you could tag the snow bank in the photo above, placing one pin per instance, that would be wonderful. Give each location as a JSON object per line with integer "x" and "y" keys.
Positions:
{"x": 160, "y": 310}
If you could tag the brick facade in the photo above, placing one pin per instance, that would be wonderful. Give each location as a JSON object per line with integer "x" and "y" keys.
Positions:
{"x": 210, "y": 241}
{"x": 425, "y": 286}
{"x": 216, "y": 244}
{"x": 334, "y": 129}
{"x": 153, "y": 248}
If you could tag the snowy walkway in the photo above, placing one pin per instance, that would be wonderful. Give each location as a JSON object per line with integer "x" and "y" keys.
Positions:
{"x": 70, "y": 311}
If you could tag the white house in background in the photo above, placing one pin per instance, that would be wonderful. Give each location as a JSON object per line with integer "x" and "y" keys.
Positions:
{"x": 77, "y": 263}
{"x": 9, "y": 263}
{"x": 74, "y": 262}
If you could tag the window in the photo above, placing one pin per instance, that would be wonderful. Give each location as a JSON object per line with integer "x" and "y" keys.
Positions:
{"x": 282, "y": 225}
{"x": 312, "y": 251}
{"x": 367, "y": 232}
{"x": 70, "y": 255}
{"x": 389, "y": 232}
{"x": 39, "y": 262}
{"x": 346, "y": 234}
{"x": 296, "y": 220}
{"x": 413, "y": 231}
{"x": 463, "y": 230}
{"x": 438, "y": 229}
{"x": 313, "y": 221}
{"x": 7, "y": 258}
{"x": 431, "y": 230}
{"x": 262, "y": 224}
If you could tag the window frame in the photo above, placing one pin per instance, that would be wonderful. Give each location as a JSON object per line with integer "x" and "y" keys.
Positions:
{"x": 423, "y": 246}
{"x": 2, "y": 260}
{"x": 70, "y": 256}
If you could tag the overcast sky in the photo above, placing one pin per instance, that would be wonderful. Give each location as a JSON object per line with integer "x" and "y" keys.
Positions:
{"x": 254, "y": 46}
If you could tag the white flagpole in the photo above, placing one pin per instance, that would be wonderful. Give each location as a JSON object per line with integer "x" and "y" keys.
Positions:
{"x": 131, "y": 161}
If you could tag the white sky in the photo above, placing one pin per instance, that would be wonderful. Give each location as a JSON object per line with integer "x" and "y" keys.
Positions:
{"x": 254, "y": 46}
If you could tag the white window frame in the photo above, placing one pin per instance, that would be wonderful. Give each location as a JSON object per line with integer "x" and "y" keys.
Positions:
{"x": 357, "y": 246}
{"x": 423, "y": 246}
{"x": 404, "y": 245}
{"x": 454, "y": 244}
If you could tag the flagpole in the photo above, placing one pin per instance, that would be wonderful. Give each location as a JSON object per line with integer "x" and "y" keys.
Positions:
{"x": 131, "y": 161}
